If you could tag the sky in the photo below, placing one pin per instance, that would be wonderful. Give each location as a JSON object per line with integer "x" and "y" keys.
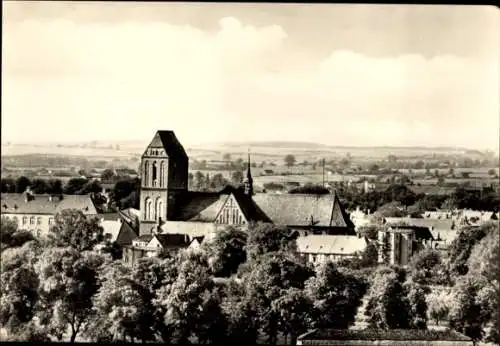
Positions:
{"x": 353, "y": 75}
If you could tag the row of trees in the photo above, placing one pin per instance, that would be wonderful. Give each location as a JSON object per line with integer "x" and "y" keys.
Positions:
{"x": 238, "y": 287}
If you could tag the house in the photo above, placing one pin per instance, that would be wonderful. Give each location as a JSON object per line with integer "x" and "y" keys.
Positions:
{"x": 36, "y": 213}
{"x": 393, "y": 337}
{"x": 475, "y": 217}
{"x": 151, "y": 245}
{"x": 401, "y": 242}
{"x": 318, "y": 249}
{"x": 168, "y": 207}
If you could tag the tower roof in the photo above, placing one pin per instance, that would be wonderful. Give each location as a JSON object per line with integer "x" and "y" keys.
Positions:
{"x": 167, "y": 140}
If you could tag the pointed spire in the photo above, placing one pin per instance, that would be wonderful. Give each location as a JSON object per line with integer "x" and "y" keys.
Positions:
{"x": 249, "y": 180}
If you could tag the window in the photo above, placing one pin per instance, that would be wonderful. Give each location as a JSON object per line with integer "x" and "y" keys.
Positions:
{"x": 39, "y": 220}
{"x": 38, "y": 232}
{"x": 16, "y": 220}
{"x": 154, "y": 171}
{"x": 51, "y": 221}
{"x": 146, "y": 173}
{"x": 32, "y": 220}
{"x": 25, "y": 220}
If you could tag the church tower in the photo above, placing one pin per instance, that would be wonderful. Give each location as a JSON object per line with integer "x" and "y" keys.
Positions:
{"x": 164, "y": 178}
{"x": 249, "y": 180}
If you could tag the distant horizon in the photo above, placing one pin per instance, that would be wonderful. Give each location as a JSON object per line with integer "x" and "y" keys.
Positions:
{"x": 241, "y": 143}
{"x": 335, "y": 74}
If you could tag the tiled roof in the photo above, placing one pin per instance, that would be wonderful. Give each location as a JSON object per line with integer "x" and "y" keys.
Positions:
{"x": 432, "y": 224}
{"x": 129, "y": 215}
{"x": 303, "y": 209}
{"x": 169, "y": 240}
{"x": 168, "y": 141}
{"x": 15, "y": 203}
{"x": 126, "y": 235}
{"x": 420, "y": 232}
{"x": 331, "y": 244}
{"x": 380, "y": 334}
{"x": 144, "y": 238}
{"x": 200, "y": 206}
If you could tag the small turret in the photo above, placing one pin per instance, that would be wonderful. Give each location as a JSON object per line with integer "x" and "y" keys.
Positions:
{"x": 248, "y": 180}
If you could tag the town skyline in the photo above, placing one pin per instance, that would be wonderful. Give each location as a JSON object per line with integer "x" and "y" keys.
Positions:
{"x": 424, "y": 76}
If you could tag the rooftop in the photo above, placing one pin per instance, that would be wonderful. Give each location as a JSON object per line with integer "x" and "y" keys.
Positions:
{"x": 17, "y": 203}
{"x": 378, "y": 334}
{"x": 331, "y": 244}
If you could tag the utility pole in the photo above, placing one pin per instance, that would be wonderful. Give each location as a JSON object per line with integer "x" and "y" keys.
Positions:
{"x": 323, "y": 163}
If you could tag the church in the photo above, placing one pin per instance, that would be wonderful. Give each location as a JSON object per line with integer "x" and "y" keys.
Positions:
{"x": 168, "y": 207}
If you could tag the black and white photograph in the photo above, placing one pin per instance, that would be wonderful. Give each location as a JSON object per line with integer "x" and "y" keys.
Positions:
{"x": 250, "y": 173}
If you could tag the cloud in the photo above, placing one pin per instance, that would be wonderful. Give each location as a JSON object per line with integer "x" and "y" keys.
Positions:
{"x": 125, "y": 80}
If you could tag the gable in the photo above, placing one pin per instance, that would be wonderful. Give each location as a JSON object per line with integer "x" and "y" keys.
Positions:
{"x": 154, "y": 243}
{"x": 231, "y": 213}
{"x": 167, "y": 141}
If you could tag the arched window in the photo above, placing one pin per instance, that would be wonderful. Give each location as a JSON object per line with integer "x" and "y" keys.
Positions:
{"x": 155, "y": 177}
{"x": 159, "y": 208}
{"x": 39, "y": 220}
{"x": 150, "y": 210}
{"x": 146, "y": 173}
{"x": 162, "y": 174}
{"x": 147, "y": 208}
{"x": 32, "y": 220}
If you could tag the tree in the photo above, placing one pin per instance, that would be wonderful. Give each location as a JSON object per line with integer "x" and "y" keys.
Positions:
{"x": 11, "y": 236}
{"x": 264, "y": 238}
{"x": 200, "y": 180}
{"x": 461, "y": 247}
{"x": 465, "y": 314}
{"x": 39, "y": 186}
{"x": 108, "y": 175}
{"x": 293, "y": 309}
{"x": 393, "y": 209}
{"x": 116, "y": 306}
{"x": 227, "y": 156}
{"x": 19, "y": 288}
{"x": 8, "y": 185}
{"x": 310, "y": 189}
{"x": 439, "y": 303}
{"x": 226, "y": 251}
{"x": 388, "y": 307}
{"x": 237, "y": 177}
{"x": 369, "y": 231}
{"x": 417, "y": 304}
{"x": 218, "y": 181}
{"x": 265, "y": 282}
{"x": 428, "y": 268}
{"x": 290, "y": 160}
{"x": 69, "y": 280}
{"x": 336, "y": 296}
{"x": 72, "y": 228}
{"x": 22, "y": 183}
{"x": 75, "y": 186}
{"x": 190, "y": 308}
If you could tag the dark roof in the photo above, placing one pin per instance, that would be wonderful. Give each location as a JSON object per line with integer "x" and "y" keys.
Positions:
{"x": 199, "y": 206}
{"x": 303, "y": 209}
{"x": 15, "y": 203}
{"x": 420, "y": 232}
{"x": 168, "y": 141}
{"x": 432, "y": 224}
{"x": 169, "y": 240}
{"x": 379, "y": 334}
{"x": 144, "y": 238}
{"x": 126, "y": 235}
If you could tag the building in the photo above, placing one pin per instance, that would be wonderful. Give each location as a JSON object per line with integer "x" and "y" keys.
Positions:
{"x": 35, "y": 213}
{"x": 394, "y": 337}
{"x": 443, "y": 230}
{"x": 359, "y": 218}
{"x": 319, "y": 249}
{"x": 168, "y": 207}
{"x": 152, "y": 245}
{"x": 401, "y": 242}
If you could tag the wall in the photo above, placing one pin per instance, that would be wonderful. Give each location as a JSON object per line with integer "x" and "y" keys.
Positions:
{"x": 41, "y": 226}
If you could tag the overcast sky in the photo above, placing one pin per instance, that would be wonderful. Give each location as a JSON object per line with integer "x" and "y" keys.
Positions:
{"x": 333, "y": 74}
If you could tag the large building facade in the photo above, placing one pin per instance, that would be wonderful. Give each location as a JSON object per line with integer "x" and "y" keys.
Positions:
{"x": 167, "y": 206}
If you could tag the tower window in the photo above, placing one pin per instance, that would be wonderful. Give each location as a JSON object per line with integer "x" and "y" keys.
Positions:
{"x": 154, "y": 171}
